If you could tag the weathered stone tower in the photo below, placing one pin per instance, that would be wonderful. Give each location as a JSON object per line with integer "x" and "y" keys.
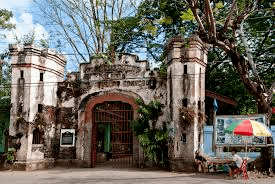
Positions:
{"x": 186, "y": 60}
{"x": 35, "y": 74}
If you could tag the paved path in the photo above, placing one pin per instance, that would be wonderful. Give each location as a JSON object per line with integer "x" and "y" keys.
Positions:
{"x": 103, "y": 176}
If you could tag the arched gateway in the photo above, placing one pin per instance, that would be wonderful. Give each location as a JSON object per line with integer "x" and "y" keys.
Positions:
{"x": 112, "y": 138}
{"x": 85, "y": 119}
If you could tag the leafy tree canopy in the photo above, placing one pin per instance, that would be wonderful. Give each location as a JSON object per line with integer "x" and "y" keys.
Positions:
{"x": 88, "y": 28}
{"x": 243, "y": 31}
{"x": 5, "y": 16}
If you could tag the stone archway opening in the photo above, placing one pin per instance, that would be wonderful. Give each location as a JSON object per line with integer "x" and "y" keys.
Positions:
{"x": 114, "y": 137}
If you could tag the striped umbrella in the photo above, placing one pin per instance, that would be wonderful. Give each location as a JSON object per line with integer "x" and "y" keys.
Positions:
{"x": 248, "y": 128}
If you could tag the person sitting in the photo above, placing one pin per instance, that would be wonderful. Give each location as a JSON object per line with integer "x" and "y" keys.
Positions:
{"x": 200, "y": 161}
{"x": 237, "y": 162}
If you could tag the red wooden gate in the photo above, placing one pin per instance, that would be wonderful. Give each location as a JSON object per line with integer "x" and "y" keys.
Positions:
{"x": 113, "y": 118}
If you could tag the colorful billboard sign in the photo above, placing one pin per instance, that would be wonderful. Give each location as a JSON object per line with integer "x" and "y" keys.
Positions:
{"x": 224, "y": 121}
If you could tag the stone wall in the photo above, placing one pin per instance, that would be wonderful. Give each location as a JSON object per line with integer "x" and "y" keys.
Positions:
{"x": 99, "y": 82}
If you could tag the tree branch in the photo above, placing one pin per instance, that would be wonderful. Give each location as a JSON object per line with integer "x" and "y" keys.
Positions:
{"x": 194, "y": 9}
{"x": 229, "y": 15}
{"x": 244, "y": 14}
{"x": 212, "y": 23}
{"x": 263, "y": 41}
{"x": 247, "y": 50}
{"x": 223, "y": 46}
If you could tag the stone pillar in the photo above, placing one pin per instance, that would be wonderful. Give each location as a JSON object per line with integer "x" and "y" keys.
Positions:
{"x": 186, "y": 88}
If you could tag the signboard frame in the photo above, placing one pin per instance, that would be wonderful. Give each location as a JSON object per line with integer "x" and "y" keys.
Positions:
{"x": 67, "y": 131}
{"x": 221, "y": 139}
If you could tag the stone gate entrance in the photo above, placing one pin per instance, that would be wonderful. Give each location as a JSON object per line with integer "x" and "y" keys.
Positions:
{"x": 97, "y": 103}
{"x": 114, "y": 137}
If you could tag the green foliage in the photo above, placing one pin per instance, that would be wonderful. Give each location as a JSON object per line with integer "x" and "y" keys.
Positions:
{"x": 26, "y": 39}
{"x": 223, "y": 79}
{"x": 44, "y": 43}
{"x": 154, "y": 22}
{"x": 260, "y": 28}
{"x": 219, "y": 5}
{"x": 5, "y": 105}
{"x": 5, "y": 16}
{"x": 162, "y": 71}
{"x": 11, "y": 153}
{"x": 259, "y": 31}
{"x": 101, "y": 56}
{"x": 153, "y": 143}
{"x": 90, "y": 27}
{"x": 4, "y": 121}
{"x": 166, "y": 20}
{"x": 152, "y": 140}
{"x": 5, "y": 80}
{"x": 187, "y": 15}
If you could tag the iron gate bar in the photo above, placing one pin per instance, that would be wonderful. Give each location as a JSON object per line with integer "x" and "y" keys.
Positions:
{"x": 119, "y": 114}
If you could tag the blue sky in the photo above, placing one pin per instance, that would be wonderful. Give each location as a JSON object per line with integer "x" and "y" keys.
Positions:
{"x": 24, "y": 20}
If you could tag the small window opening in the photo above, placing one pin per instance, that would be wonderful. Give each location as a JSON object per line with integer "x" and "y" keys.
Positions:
{"x": 20, "y": 108}
{"x": 185, "y": 102}
{"x": 40, "y": 108}
{"x": 199, "y": 105}
{"x": 183, "y": 138}
{"x": 41, "y": 76}
{"x": 22, "y": 74}
{"x": 185, "y": 69}
{"x": 37, "y": 137}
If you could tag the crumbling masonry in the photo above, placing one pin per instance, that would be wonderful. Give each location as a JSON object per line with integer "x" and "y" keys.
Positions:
{"x": 85, "y": 119}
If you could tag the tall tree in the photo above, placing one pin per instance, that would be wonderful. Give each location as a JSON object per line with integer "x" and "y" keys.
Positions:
{"x": 87, "y": 25}
{"x": 5, "y": 76}
{"x": 5, "y": 16}
{"x": 222, "y": 25}
{"x": 155, "y": 21}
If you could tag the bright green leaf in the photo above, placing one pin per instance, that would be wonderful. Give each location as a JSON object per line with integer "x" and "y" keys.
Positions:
{"x": 187, "y": 15}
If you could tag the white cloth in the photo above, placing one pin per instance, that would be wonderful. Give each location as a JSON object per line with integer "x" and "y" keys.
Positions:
{"x": 238, "y": 160}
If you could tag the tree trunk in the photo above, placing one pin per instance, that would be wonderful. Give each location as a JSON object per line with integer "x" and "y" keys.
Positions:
{"x": 255, "y": 88}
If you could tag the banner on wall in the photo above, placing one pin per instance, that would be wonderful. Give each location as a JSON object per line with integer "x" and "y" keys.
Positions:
{"x": 224, "y": 121}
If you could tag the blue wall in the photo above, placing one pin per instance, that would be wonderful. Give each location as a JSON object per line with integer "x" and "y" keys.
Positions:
{"x": 208, "y": 140}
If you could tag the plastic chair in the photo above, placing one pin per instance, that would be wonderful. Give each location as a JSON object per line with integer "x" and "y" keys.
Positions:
{"x": 240, "y": 170}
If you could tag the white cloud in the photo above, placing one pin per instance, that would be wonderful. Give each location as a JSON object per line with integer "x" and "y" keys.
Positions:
{"x": 23, "y": 21}
{"x": 15, "y": 5}
{"x": 24, "y": 25}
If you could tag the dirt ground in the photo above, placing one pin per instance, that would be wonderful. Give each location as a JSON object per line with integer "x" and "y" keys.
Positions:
{"x": 118, "y": 176}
